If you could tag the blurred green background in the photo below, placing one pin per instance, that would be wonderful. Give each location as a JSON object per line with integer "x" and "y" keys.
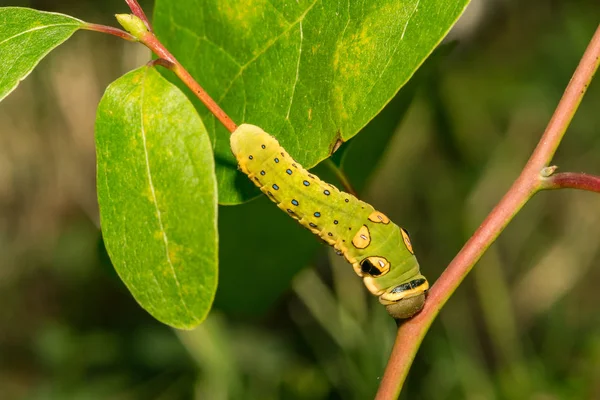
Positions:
{"x": 524, "y": 325}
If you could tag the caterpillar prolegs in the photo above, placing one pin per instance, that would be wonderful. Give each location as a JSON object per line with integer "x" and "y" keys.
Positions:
{"x": 379, "y": 250}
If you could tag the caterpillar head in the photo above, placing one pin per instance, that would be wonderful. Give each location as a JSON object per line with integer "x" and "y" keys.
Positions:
{"x": 405, "y": 300}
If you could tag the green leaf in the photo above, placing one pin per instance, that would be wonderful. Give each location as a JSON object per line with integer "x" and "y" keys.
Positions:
{"x": 360, "y": 157}
{"x": 26, "y": 36}
{"x": 311, "y": 72}
{"x": 157, "y": 196}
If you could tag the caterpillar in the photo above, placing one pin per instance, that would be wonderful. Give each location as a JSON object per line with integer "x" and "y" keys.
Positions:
{"x": 379, "y": 250}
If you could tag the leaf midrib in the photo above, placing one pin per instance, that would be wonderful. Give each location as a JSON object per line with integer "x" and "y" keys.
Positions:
{"x": 37, "y": 28}
{"x": 154, "y": 200}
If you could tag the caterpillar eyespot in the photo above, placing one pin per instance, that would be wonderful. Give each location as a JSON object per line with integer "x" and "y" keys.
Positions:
{"x": 380, "y": 252}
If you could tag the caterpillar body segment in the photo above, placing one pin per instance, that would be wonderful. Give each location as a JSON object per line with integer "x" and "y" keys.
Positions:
{"x": 379, "y": 251}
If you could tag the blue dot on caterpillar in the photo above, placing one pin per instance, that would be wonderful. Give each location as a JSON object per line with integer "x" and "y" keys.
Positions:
{"x": 379, "y": 250}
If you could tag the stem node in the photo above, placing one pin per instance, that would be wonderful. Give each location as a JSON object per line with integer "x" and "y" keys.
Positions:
{"x": 548, "y": 171}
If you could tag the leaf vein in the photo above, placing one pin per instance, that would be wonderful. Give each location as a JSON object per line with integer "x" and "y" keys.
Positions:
{"x": 155, "y": 202}
{"x": 278, "y": 12}
{"x": 287, "y": 116}
{"x": 387, "y": 64}
{"x": 37, "y": 28}
{"x": 409, "y": 18}
{"x": 267, "y": 47}
{"x": 22, "y": 52}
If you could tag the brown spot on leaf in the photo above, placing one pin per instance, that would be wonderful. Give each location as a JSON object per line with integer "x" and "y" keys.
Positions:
{"x": 338, "y": 142}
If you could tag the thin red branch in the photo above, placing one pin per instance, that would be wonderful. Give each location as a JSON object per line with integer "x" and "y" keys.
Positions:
{"x": 411, "y": 333}
{"x": 148, "y": 38}
{"x": 139, "y": 29}
{"x": 162, "y": 62}
{"x": 568, "y": 104}
{"x": 157, "y": 47}
{"x": 571, "y": 180}
{"x": 138, "y": 11}
{"x": 109, "y": 30}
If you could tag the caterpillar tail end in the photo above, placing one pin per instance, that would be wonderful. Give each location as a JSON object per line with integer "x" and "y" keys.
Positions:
{"x": 405, "y": 300}
{"x": 407, "y": 307}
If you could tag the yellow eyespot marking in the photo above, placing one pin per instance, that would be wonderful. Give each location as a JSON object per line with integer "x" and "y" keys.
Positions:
{"x": 379, "y": 218}
{"x": 375, "y": 266}
{"x": 362, "y": 238}
{"x": 407, "y": 241}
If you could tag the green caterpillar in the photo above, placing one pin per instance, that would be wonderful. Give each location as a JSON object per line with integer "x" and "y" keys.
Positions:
{"x": 380, "y": 252}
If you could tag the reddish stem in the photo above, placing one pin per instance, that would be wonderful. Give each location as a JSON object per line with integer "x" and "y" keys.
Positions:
{"x": 138, "y": 11}
{"x": 571, "y": 180}
{"x": 151, "y": 41}
{"x": 110, "y": 30}
{"x": 411, "y": 333}
{"x": 167, "y": 60}
{"x": 160, "y": 61}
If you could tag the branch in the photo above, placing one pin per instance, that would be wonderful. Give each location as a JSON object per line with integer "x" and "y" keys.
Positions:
{"x": 411, "y": 333}
{"x": 138, "y": 28}
{"x": 157, "y": 47}
{"x": 571, "y": 180}
{"x": 109, "y": 30}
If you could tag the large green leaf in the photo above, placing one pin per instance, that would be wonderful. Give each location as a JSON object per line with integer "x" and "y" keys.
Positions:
{"x": 26, "y": 36}
{"x": 157, "y": 196}
{"x": 311, "y": 72}
{"x": 361, "y": 156}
